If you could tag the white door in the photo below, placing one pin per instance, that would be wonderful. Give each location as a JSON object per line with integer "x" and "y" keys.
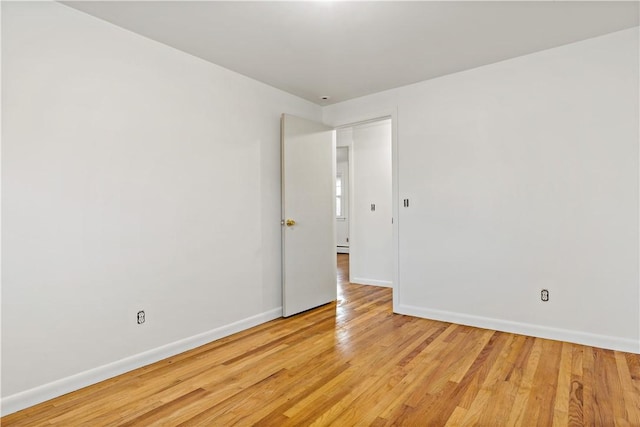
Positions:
{"x": 308, "y": 215}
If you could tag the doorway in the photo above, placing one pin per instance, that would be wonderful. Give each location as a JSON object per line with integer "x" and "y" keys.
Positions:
{"x": 305, "y": 163}
{"x": 342, "y": 199}
{"x": 364, "y": 180}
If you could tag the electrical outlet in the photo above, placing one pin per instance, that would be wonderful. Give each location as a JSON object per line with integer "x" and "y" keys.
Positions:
{"x": 544, "y": 295}
{"x": 140, "y": 317}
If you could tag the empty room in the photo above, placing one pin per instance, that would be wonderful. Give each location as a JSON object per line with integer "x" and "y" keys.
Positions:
{"x": 326, "y": 213}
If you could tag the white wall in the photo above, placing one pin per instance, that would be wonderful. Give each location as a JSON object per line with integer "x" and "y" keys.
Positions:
{"x": 134, "y": 176}
{"x": 522, "y": 175}
{"x": 370, "y": 259}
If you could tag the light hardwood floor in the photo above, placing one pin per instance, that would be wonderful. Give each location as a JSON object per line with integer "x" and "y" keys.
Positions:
{"x": 355, "y": 363}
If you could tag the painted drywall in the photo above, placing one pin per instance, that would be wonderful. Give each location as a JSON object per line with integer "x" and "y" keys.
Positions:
{"x": 134, "y": 177}
{"x": 522, "y": 175}
{"x": 370, "y": 259}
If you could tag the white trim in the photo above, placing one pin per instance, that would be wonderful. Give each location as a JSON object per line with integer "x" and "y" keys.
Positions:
{"x": 395, "y": 213}
{"x": 342, "y": 249}
{"x": 372, "y": 282}
{"x": 59, "y": 387}
{"x": 578, "y": 337}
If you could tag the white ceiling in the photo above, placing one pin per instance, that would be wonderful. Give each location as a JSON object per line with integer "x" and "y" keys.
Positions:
{"x": 350, "y": 49}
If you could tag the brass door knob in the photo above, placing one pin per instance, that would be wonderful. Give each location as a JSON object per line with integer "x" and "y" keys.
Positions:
{"x": 290, "y": 222}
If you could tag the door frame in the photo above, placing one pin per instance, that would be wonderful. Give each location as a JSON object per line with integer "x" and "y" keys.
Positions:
{"x": 349, "y": 148}
{"x": 364, "y": 118}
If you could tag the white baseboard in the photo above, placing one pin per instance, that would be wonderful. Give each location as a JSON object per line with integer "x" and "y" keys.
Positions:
{"x": 62, "y": 386}
{"x": 578, "y": 337}
{"x": 372, "y": 282}
{"x": 342, "y": 249}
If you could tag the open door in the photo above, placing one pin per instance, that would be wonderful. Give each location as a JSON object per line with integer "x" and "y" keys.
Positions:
{"x": 308, "y": 215}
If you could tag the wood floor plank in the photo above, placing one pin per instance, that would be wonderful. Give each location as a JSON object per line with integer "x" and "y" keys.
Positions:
{"x": 608, "y": 385}
{"x": 456, "y": 417}
{"x": 355, "y": 363}
{"x": 576, "y": 397}
{"x": 496, "y": 374}
{"x": 563, "y": 391}
{"x": 497, "y": 387}
{"x": 543, "y": 390}
{"x": 590, "y": 413}
{"x": 631, "y": 393}
{"x": 477, "y": 373}
{"x": 516, "y": 417}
